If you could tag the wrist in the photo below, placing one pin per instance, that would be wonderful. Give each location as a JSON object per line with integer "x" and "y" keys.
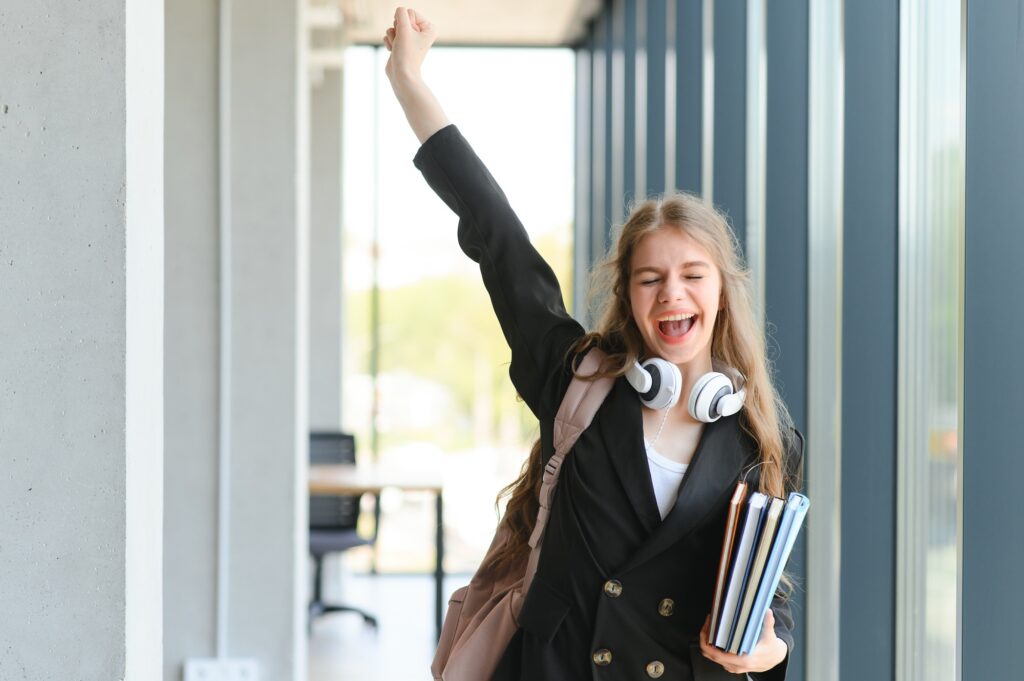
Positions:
{"x": 405, "y": 79}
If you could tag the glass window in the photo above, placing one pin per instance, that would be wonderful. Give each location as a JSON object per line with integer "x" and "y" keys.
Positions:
{"x": 424, "y": 362}
{"x": 930, "y": 329}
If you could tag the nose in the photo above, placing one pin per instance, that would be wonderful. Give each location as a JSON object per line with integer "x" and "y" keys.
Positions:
{"x": 671, "y": 290}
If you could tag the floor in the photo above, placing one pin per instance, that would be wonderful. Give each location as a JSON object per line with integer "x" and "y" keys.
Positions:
{"x": 342, "y": 648}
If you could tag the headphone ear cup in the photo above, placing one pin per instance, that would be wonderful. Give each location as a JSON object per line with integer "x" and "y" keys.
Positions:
{"x": 731, "y": 404}
{"x": 666, "y": 384}
{"x": 705, "y": 398}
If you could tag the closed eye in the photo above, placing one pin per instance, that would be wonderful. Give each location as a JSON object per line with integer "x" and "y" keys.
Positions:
{"x": 648, "y": 282}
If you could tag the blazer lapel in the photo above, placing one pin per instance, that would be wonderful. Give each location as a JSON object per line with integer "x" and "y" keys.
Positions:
{"x": 625, "y": 442}
{"x": 721, "y": 454}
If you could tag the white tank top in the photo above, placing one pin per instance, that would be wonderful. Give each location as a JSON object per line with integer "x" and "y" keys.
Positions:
{"x": 666, "y": 475}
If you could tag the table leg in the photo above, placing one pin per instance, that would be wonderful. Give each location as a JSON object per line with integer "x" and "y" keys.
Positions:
{"x": 439, "y": 567}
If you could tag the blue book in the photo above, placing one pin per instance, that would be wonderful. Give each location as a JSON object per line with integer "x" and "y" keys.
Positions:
{"x": 789, "y": 527}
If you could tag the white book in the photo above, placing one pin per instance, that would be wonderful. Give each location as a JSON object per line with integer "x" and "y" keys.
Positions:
{"x": 764, "y": 544}
{"x": 740, "y": 564}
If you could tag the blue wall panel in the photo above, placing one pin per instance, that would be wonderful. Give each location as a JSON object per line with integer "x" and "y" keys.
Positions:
{"x": 786, "y": 235}
{"x": 688, "y": 94}
{"x": 868, "y": 524}
{"x": 654, "y": 43}
{"x": 993, "y": 456}
{"x": 730, "y": 143}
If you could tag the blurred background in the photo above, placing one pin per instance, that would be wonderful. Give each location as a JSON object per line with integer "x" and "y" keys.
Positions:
{"x": 249, "y": 376}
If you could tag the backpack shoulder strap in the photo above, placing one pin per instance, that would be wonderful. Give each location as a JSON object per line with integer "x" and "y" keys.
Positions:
{"x": 581, "y": 402}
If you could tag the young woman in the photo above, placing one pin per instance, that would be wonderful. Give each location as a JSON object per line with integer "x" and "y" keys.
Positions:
{"x": 626, "y": 578}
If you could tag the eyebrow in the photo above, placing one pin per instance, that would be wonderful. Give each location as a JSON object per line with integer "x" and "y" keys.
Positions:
{"x": 651, "y": 268}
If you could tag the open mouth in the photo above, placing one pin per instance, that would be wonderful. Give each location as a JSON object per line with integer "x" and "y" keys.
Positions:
{"x": 675, "y": 326}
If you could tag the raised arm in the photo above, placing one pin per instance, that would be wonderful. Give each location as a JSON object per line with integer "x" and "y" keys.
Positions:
{"x": 523, "y": 289}
{"x": 408, "y": 40}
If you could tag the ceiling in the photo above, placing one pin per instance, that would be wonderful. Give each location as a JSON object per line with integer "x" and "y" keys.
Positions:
{"x": 477, "y": 22}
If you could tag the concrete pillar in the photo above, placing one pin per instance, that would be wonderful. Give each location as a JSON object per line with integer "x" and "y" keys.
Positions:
{"x": 325, "y": 294}
{"x": 269, "y": 419}
{"x": 81, "y": 289}
{"x": 237, "y": 112}
{"x": 192, "y": 319}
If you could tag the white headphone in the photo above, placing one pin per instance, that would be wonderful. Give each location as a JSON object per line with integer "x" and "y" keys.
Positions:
{"x": 714, "y": 395}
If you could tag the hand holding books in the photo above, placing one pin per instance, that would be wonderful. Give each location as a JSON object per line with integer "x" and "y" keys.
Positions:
{"x": 769, "y": 651}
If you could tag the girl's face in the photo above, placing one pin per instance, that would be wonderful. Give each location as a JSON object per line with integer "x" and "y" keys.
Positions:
{"x": 675, "y": 292}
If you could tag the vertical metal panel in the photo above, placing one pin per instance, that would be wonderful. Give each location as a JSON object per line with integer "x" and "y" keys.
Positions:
{"x": 582, "y": 227}
{"x": 824, "y": 347}
{"x": 655, "y": 58}
{"x": 617, "y": 109}
{"x": 867, "y": 584}
{"x": 689, "y": 84}
{"x": 600, "y": 196}
{"x": 730, "y": 109}
{"x": 785, "y": 229}
{"x": 757, "y": 96}
{"x": 993, "y": 372}
{"x": 632, "y": 155}
{"x": 671, "y": 76}
{"x": 931, "y": 223}
{"x": 707, "y": 147}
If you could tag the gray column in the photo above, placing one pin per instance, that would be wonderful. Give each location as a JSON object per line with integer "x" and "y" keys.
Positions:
{"x": 237, "y": 365}
{"x": 81, "y": 381}
{"x": 191, "y": 318}
{"x": 268, "y": 348}
{"x": 325, "y": 301}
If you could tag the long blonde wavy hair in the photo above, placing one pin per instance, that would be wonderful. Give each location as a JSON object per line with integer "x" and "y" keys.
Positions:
{"x": 737, "y": 341}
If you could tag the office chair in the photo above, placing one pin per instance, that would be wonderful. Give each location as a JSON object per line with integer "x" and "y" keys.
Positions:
{"x": 332, "y": 519}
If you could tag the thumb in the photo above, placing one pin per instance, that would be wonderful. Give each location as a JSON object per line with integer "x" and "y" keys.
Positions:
{"x": 768, "y": 631}
{"x": 402, "y": 20}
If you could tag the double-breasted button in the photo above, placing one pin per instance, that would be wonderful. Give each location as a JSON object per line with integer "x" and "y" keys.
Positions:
{"x": 655, "y": 669}
{"x": 613, "y": 588}
{"x": 602, "y": 657}
{"x": 666, "y": 607}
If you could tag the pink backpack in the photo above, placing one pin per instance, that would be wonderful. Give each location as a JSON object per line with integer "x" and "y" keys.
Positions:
{"x": 483, "y": 617}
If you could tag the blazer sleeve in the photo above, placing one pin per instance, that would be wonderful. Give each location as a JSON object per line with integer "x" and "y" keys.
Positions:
{"x": 522, "y": 287}
{"x": 780, "y": 605}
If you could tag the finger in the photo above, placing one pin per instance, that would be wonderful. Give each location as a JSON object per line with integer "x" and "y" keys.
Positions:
{"x": 418, "y": 20}
{"x": 704, "y": 628}
{"x": 387, "y": 43}
{"x": 768, "y": 630}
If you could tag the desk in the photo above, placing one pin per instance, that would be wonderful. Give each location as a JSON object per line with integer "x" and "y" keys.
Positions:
{"x": 349, "y": 479}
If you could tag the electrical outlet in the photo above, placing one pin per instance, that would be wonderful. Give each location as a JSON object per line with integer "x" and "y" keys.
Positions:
{"x": 221, "y": 670}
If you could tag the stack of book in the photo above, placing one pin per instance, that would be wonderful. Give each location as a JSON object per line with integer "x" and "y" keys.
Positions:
{"x": 759, "y": 536}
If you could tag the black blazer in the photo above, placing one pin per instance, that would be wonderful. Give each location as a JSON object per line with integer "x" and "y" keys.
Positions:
{"x": 612, "y": 575}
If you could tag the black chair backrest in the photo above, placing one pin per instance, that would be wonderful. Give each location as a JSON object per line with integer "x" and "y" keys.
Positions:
{"x": 332, "y": 512}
